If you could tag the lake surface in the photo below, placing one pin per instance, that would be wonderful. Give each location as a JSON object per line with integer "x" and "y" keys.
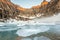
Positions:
{"x": 24, "y": 31}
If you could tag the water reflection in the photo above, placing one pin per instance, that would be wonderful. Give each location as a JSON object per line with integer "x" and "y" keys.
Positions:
{"x": 42, "y": 38}
{"x": 26, "y": 39}
{"x": 37, "y": 38}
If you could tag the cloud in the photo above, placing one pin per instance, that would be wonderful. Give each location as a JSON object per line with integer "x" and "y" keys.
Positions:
{"x": 48, "y": 0}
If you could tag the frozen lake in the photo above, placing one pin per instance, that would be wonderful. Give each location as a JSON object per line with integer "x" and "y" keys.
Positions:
{"x": 37, "y": 29}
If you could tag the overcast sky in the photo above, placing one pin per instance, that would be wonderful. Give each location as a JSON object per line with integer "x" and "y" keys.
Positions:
{"x": 27, "y": 3}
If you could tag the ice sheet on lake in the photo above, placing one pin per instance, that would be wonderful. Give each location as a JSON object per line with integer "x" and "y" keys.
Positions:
{"x": 30, "y": 31}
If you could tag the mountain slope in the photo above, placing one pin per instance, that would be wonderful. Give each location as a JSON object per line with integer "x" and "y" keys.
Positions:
{"x": 11, "y": 10}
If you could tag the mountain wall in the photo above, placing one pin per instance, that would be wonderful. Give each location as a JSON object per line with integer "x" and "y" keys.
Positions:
{"x": 11, "y": 10}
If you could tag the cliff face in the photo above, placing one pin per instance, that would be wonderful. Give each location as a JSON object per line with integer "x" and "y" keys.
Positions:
{"x": 53, "y": 7}
{"x": 7, "y": 5}
{"x": 8, "y": 9}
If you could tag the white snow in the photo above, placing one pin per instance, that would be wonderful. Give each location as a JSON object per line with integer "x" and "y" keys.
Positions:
{"x": 48, "y": 0}
{"x": 30, "y": 17}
